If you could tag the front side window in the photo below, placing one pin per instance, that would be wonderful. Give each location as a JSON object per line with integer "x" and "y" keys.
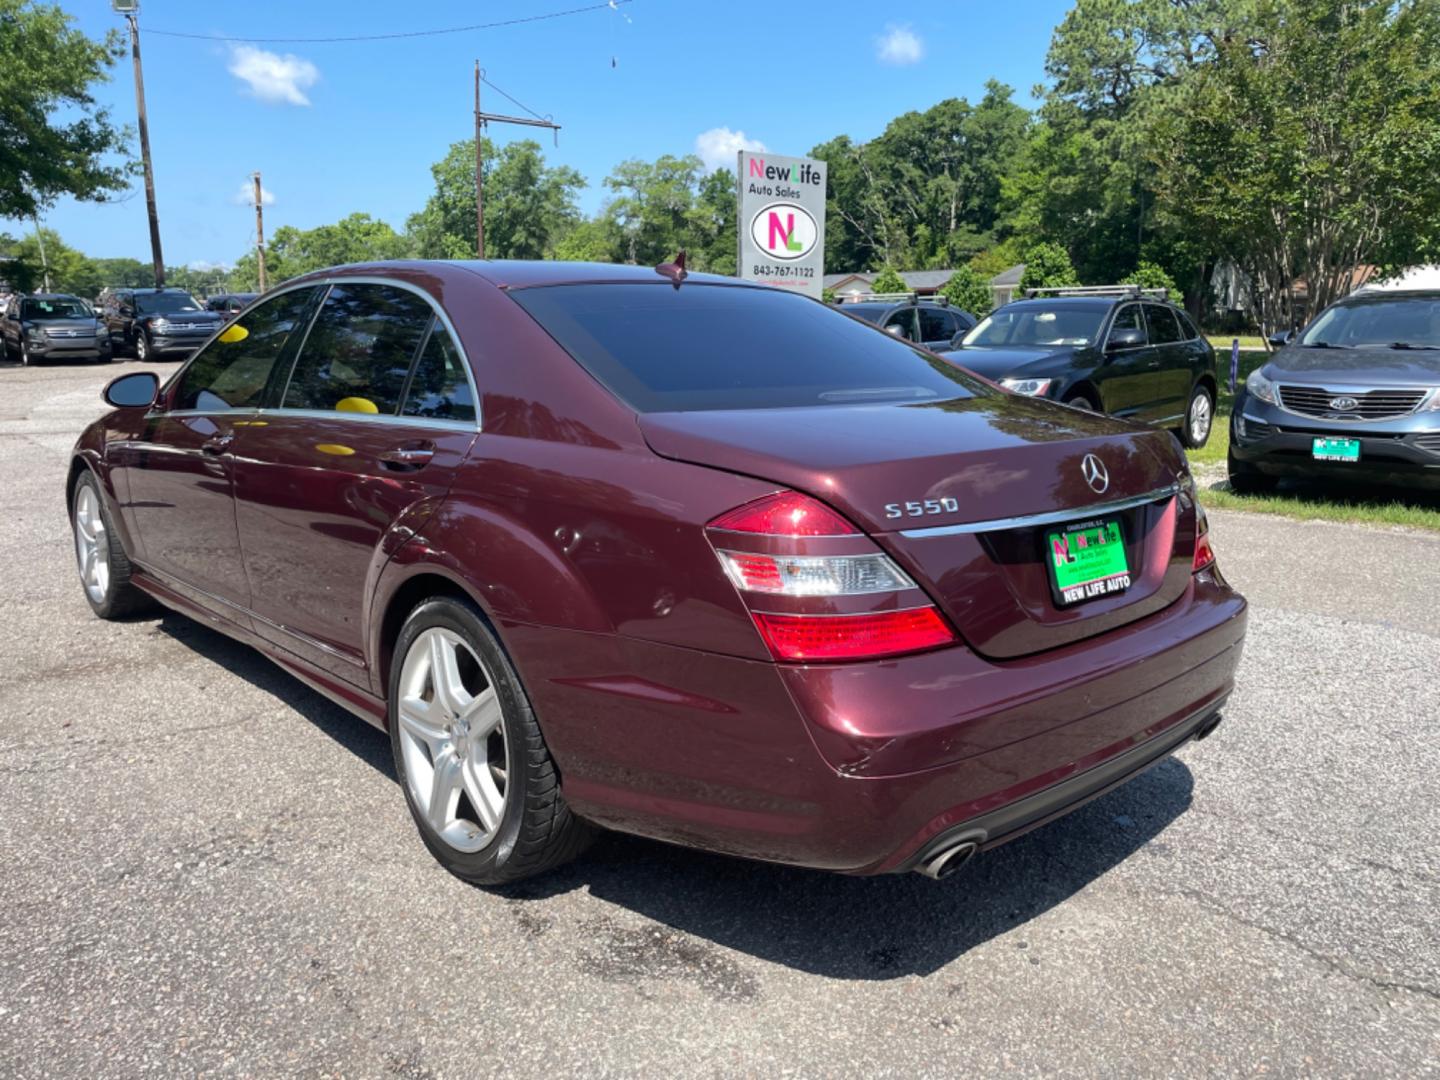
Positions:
{"x": 1129, "y": 318}
{"x": 439, "y": 389}
{"x": 704, "y": 347}
{"x": 905, "y": 321}
{"x": 936, "y": 325}
{"x": 232, "y": 370}
{"x": 359, "y": 350}
{"x": 1164, "y": 330}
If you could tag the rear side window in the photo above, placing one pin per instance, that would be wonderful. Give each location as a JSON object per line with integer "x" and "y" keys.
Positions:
{"x": 703, "y": 347}
{"x": 1163, "y": 327}
{"x": 232, "y": 370}
{"x": 439, "y": 389}
{"x": 359, "y": 350}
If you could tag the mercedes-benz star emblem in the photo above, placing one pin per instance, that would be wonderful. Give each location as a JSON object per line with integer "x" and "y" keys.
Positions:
{"x": 1344, "y": 404}
{"x": 1095, "y": 473}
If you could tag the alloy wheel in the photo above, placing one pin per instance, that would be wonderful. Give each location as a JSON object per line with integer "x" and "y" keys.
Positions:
{"x": 92, "y": 544}
{"x": 453, "y": 739}
{"x": 1202, "y": 415}
{"x": 142, "y": 348}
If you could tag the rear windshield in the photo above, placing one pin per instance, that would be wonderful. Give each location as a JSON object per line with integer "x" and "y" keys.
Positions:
{"x": 701, "y": 347}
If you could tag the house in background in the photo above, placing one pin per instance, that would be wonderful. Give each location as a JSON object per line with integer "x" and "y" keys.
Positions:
{"x": 920, "y": 282}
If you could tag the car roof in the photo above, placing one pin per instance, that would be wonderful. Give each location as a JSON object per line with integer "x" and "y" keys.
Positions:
{"x": 522, "y": 273}
{"x": 1376, "y": 296}
{"x": 51, "y": 296}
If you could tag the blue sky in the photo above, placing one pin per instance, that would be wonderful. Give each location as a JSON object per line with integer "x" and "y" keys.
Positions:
{"x": 337, "y": 128}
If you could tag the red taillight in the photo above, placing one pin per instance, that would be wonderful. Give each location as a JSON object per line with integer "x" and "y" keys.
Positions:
{"x": 852, "y": 637}
{"x": 786, "y": 563}
{"x": 787, "y": 513}
{"x": 1204, "y": 553}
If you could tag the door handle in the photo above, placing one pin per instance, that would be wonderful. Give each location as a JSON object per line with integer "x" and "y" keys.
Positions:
{"x": 217, "y": 444}
{"x": 407, "y": 458}
{"x": 1153, "y": 364}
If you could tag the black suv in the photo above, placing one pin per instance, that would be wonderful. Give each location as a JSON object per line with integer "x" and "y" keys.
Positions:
{"x": 932, "y": 323}
{"x": 1355, "y": 397}
{"x": 156, "y": 323}
{"x": 1124, "y": 351}
{"x": 229, "y": 304}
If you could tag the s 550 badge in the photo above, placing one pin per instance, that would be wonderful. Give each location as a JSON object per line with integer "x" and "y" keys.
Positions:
{"x": 921, "y": 508}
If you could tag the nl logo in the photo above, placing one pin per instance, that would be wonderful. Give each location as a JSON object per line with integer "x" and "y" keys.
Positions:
{"x": 784, "y": 231}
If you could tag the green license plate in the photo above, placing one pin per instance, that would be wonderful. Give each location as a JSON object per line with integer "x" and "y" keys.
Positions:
{"x": 1087, "y": 561}
{"x": 1322, "y": 449}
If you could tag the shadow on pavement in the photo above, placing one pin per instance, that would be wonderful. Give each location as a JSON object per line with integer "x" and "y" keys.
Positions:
{"x": 369, "y": 744}
{"x": 821, "y": 923}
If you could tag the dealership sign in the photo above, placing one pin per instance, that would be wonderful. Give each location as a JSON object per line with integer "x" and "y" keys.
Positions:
{"x": 782, "y": 221}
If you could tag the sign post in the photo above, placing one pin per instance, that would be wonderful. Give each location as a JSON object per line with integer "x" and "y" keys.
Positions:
{"x": 782, "y": 221}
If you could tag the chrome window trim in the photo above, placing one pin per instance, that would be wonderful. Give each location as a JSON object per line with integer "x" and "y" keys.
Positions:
{"x": 370, "y": 418}
{"x": 1051, "y": 517}
{"x": 324, "y": 283}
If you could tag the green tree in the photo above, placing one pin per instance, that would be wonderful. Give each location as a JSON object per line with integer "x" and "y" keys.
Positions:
{"x": 889, "y": 281}
{"x": 592, "y": 240}
{"x": 1149, "y": 275}
{"x": 1308, "y": 145}
{"x": 969, "y": 290}
{"x": 54, "y": 138}
{"x": 529, "y": 207}
{"x": 653, "y": 207}
{"x": 1047, "y": 266}
{"x": 70, "y": 271}
{"x": 291, "y": 252}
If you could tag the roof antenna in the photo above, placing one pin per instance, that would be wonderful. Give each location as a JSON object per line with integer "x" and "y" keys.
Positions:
{"x": 675, "y": 271}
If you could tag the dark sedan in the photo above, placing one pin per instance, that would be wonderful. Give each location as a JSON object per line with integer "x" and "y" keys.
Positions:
{"x": 53, "y": 326}
{"x": 680, "y": 556}
{"x": 1117, "y": 351}
{"x": 1356, "y": 396}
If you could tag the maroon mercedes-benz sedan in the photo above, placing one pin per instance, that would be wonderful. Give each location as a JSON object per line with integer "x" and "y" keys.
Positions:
{"x": 680, "y": 556}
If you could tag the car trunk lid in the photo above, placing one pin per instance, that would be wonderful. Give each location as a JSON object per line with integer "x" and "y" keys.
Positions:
{"x": 962, "y": 493}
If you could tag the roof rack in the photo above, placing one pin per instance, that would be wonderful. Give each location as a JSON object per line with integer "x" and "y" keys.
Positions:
{"x": 892, "y": 297}
{"x": 1098, "y": 290}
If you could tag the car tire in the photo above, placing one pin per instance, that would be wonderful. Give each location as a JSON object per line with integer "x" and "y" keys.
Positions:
{"x": 1083, "y": 402}
{"x": 1199, "y": 418}
{"x": 142, "y": 348}
{"x": 469, "y": 754}
{"x": 1246, "y": 479}
{"x": 105, "y": 569}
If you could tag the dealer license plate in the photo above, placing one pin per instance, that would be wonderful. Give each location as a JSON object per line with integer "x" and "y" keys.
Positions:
{"x": 1087, "y": 560}
{"x": 1323, "y": 449}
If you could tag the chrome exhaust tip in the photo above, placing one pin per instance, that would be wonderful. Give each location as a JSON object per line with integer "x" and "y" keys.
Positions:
{"x": 948, "y": 860}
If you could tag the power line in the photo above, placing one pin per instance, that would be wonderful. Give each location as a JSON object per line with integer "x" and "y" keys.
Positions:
{"x": 610, "y": 5}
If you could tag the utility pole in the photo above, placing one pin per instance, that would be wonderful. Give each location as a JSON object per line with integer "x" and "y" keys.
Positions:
{"x": 481, "y": 119}
{"x": 260, "y": 229}
{"x": 40, "y": 242}
{"x": 129, "y": 10}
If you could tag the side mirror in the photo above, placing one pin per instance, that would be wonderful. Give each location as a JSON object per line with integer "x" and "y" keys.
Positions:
{"x": 895, "y": 331}
{"x": 958, "y": 339}
{"x": 134, "y": 391}
{"x": 1281, "y": 338}
{"x": 1127, "y": 337}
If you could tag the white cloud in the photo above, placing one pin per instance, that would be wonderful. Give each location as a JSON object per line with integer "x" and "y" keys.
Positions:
{"x": 245, "y": 194}
{"x": 718, "y": 146}
{"x": 274, "y": 79}
{"x": 899, "y": 45}
{"x": 204, "y": 265}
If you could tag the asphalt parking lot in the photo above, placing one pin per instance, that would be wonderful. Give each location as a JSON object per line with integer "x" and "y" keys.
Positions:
{"x": 207, "y": 868}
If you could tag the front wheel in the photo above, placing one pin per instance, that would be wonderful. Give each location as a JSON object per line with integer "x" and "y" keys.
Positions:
{"x": 1199, "y": 418}
{"x": 104, "y": 567}
{"x": 142, "y": 347}
{"x": 1083, "y": 402}
{"x": 469, "y": 753}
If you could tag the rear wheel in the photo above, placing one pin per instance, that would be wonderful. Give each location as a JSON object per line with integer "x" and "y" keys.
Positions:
{"x": 104, "y": 567}
{"x": 469, "y": 753}
{"x": 1199, "y": 418}
{"x": 1246, "y": 479}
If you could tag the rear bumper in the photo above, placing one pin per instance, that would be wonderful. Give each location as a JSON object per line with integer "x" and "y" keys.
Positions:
{"x": 862, "y": 768}
{"x": 1278, "y": 443}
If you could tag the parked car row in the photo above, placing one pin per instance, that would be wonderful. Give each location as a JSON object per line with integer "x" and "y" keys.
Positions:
{"x": 149, "y": 324}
